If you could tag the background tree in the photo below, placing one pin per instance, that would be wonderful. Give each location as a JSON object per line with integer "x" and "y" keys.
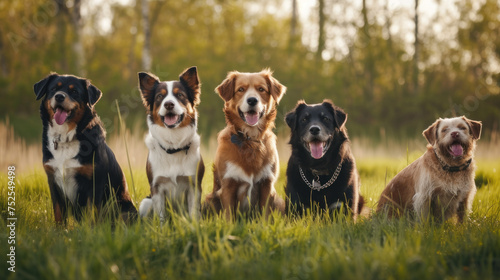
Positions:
{"x": 366, "y": 64}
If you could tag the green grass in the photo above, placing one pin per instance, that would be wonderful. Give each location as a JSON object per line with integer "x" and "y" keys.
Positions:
{"x": 310, "y": 247}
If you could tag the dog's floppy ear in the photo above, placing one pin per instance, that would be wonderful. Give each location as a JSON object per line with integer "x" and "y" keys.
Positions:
{"x": 431, "y": 132}
{"x": 276, "y": 89}
{"x": 147, "y": 84}
{"x": 94, "y": 94}
{"x": 339, "y": 114}
{"x": 291, "y": 117}
{"x": 189, "y": 78}
{"x": 40, "y": 87}
{"x": 475, "y": 128}
{"x": 226, "y": 88}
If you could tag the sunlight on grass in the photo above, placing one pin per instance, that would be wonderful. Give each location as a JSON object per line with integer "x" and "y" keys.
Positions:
{"x": 309, "y": 247}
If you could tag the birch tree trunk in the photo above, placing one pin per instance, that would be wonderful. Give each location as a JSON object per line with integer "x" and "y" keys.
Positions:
{"x": 415, "y": 55}
{"x": 146, "y": 49}
{"x": 321, "y": 31}
{"x": 78, "y": 47}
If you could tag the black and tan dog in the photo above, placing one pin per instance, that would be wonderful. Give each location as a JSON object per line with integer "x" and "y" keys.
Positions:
{"x": 81, "y": 168}
{"x": 321, "y": 171}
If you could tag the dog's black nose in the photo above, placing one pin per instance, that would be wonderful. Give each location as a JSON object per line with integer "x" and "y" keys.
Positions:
{"x": 59, "y": 97}
{"x": 169, "y": 105}
{"x": 252, "y": 101}
{"x": 454, "y": 134}
{"x": 314, "y": 130}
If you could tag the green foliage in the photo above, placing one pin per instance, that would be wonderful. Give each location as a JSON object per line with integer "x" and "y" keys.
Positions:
{"x": 310, "y": 247}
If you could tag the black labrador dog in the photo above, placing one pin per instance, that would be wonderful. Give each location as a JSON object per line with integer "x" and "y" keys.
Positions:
{"x": 321, "y": 171}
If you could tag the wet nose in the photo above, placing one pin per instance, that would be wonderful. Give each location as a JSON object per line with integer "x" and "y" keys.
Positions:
{"x": 169, "y": 105}
{"x": 314, "y": 130}
{"x": 252, "y": 101}
{"x": 60, "y": 97}
{"x": 454, "y": 134}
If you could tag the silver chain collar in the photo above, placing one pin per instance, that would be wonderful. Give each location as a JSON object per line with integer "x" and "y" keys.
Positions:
{"x": 316, "y": 184}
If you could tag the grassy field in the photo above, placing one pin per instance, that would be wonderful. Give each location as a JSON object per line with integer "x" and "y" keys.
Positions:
{"x": 310, "y": 247}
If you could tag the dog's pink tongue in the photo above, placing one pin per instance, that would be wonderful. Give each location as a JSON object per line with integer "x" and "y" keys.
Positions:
{"x": 60, "y": 116}
{"x": 316, "y": 149}
{"x": 456, "y": 150}
{"x": 171, "y": 119}
{"x": 251, "y": 118}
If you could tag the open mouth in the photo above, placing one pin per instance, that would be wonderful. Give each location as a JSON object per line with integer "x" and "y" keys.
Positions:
{"x": 171, "y": 120}
{"x": 251, "y": 117}
{"x": 317, "y": 148}
{"x": 456, "y": 149}
{"x": 61, "y": 115}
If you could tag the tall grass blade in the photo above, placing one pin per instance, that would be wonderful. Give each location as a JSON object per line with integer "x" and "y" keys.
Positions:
{"x": 126, "y": 148}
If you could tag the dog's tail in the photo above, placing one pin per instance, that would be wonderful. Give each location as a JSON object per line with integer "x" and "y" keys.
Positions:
{"x": 145, "y": 207}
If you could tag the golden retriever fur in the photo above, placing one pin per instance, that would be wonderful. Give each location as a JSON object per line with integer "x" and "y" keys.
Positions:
{"x": 440, "y": 184}
{"x": 246, "y": 162}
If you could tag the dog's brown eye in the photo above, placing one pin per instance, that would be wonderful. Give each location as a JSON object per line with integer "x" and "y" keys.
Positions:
{"x": 159, "y": 97}
{"x": 261, "y": 89}
{"x": 241, "y": 89}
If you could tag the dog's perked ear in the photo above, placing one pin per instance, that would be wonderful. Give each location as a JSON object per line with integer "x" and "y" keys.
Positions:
{"x": 339, "y": 114}
{"x": 475, "y": 128}
{"x": 147, "y": 84}
{"x": 226, "y": 88}
{"x": 40, "y": 87}
{"x": 276, "y": 89}
{"x": 431, "y": 132}
{"x": 189, "y": 78}
{"x": 94, "y": 94}
{"x": 291, "y": 117}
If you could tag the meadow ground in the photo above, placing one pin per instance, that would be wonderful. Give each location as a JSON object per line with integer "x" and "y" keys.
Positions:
{"x": 310, "y": 247}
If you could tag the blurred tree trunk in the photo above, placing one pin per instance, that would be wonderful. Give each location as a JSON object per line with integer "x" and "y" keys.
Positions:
{"x": 415, "y": 55}
{"x": 146, "y": 49}
{"x": 293, "y": 27}
{"x": 77, "y": 24}
{"x": 61, "y": 31}
{"x": 392, "y": 55}
{"x": 131, "y": 55}
{"x": 3, "y": 62}
{"x": 369, "y": 59}
{"x": 321, "y": 31}
{"x": 78, "y": 47}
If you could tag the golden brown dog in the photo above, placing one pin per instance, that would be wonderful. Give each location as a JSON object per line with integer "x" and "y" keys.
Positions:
{"x": 440, "y": 183}
{"x": 246, "y": 162}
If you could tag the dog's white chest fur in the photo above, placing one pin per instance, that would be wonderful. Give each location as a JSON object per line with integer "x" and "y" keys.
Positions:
{"x": 174, "y": 175}
{"x": 64, "y": 148}
{"x": 448, "y": 189}
{"x": 249, "y": 181}
{"x": 174, "y": 165}
{"x": 177, "y": 164}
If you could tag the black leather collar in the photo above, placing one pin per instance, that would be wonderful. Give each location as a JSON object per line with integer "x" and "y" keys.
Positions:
{"x": 239, "y": 138}
{"x": 173, "y": 151}
{"x": 449, "y": 168}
